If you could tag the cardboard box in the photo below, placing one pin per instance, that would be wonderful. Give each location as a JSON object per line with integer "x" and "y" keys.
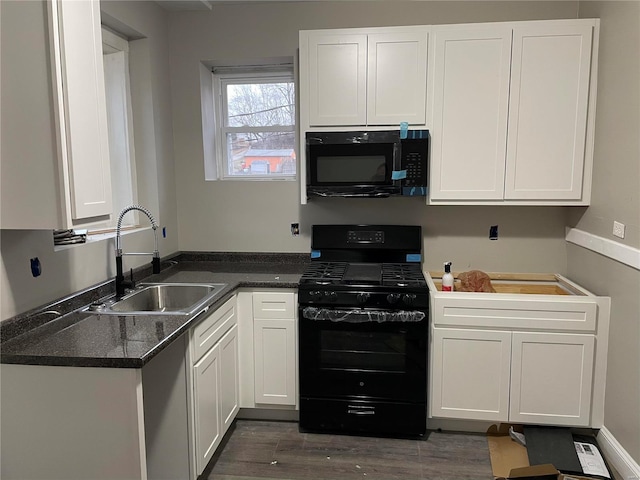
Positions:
{"x": 509, "y": 459}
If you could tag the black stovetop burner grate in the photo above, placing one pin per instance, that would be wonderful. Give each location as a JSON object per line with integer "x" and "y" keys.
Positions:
{"x": 324, "y": 272}
{"x": 344, "y": 273}
{"x": 403, "y": 274}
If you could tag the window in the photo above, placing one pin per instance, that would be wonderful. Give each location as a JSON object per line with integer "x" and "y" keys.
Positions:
{"x": 256, "y": 129}
{"x": 115, "y": 51}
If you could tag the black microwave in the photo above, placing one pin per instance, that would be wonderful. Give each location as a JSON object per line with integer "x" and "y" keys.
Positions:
{"x": 381, "y": 163}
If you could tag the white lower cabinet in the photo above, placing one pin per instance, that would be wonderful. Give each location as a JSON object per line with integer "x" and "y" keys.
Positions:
{"x": 472, "y": 381}
{"x": 551, "y": 378}
{"x": 275, "y": 367}
{"x": 213, "y": 353}
{"x": 542, "y": 378}
{"x": 535, "y": 359}
{"x": 229, "y": 378}
{"x": 206, "y": 406}
{"x": 274, "y": 347}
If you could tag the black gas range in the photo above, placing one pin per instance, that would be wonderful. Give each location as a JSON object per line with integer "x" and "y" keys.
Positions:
{"x": 363, "y": 310}
{"x": 366, "y": 285}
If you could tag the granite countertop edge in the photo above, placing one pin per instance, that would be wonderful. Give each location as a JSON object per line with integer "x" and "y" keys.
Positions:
{"x": 242, "y": 272}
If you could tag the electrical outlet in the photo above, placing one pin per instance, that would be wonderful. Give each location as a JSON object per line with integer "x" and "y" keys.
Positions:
{"x": 618, "y": 229}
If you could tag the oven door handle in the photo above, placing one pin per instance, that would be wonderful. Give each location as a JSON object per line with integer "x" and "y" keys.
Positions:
{"x": 359, "y": 316}
{"x": 360, "y": 410}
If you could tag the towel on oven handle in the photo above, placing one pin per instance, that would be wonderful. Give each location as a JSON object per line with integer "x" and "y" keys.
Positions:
{"x": 360, "y": 316}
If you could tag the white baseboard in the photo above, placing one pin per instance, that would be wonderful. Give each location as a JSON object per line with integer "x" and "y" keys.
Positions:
{"x": 617, "y": 456}
{"x": 617, "y": 251}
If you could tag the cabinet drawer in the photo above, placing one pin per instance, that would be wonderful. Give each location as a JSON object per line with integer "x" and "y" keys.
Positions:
{"x": 211, "y": 329}
{"x": 273, "y": 305}
{"x": 568, "y": 314}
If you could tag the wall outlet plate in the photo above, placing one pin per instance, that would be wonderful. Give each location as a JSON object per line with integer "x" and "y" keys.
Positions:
{"x": 618, "y": 229}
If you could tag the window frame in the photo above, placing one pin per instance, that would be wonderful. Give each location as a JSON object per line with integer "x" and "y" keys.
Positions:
{"x": 220, "y": 82}
{"x": 126, "y": 182}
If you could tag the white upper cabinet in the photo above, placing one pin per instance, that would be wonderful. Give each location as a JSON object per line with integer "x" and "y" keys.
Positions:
{"x": 511, "y": 112}
{"x": 55, "y": 154}
{"x": 82, "y": 112}
{"x": 470, "y": 71}
{"x": 548, "y": 111}
{"x": 362, "y": 77}
{"x": 337, "y": 79}
{"x": 396, "y": 78}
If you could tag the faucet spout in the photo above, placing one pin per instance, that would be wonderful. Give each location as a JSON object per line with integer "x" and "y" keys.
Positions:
{"x": 121, "y": 284}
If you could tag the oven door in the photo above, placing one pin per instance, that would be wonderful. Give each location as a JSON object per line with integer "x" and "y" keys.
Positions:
{"x": 362, "y": 356}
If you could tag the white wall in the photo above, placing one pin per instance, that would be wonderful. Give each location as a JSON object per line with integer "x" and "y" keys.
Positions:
{"x": 74, "y": 268}
{"x": 256, "y": 216}
{"x": 616, "y": 196}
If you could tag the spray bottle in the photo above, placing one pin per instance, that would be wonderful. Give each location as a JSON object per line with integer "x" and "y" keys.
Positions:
{"x": 447, "y": 278}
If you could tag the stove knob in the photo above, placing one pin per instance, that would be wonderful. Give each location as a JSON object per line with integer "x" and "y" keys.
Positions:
{"x": 316, "y": 295}
{"x": 408, "y": 298}
{"x": 331, "y": 296}
{"x": 393, "y": 298}
{"x": 363, "y": 297}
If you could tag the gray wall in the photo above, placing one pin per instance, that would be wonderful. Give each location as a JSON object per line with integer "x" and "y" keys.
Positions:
{"x": 74, "y": 268}
{"x": 616, "y": 190}
{"x": 256, "y": 216}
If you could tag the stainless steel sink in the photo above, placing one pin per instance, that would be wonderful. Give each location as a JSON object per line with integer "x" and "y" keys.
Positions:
{"x": 162, "y": 298}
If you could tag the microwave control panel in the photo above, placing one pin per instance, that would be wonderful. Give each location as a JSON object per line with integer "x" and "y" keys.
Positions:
{"x": 414, "y": 161}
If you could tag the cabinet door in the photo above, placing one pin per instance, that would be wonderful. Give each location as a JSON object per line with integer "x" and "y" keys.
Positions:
{"x": 397, "y": 78}
{"x": 548, "y": 112}
{"x": 337, "y": 79}
{"x": 275, "y": 361}
{"x": 208, "y": 430}
{"x": 82, "y": 112}
{"x": 469, "y": 112}
{"x": 551, "y": 378}
{"x": 229, "y": 381}
{"x": 470, "y": 374}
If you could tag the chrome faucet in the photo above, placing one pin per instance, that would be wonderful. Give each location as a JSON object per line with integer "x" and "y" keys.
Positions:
{"x": 121, "y": 284}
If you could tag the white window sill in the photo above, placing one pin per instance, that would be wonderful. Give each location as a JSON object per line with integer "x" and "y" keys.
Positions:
{"x": 253, "y": 179}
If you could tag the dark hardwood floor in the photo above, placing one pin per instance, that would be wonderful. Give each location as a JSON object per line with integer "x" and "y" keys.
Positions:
{"x": 277, "y": 450}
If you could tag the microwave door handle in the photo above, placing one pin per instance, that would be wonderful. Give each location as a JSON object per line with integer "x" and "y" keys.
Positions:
{"x": 376, "y": 195}
{"x": 353, "y": 195}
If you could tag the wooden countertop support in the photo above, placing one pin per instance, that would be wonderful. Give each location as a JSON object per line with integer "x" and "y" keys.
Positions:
{"x": 519, "y": 283}
{"x": 535, "y": 277}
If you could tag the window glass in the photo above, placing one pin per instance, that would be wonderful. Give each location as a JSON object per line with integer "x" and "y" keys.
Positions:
{"x": 257, "y": 134}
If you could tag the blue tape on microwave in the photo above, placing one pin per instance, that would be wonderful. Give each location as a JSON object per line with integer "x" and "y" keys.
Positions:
{"x": 316, "y": 254}
{"x": 404, "y": 126}
{"x": 398, "y": 174}
{"x": 418, "y": 134}
{"x": 414, "y": 257}
{"x": 414, "y": 191}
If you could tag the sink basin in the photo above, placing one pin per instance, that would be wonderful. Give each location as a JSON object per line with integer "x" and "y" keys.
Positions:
{"x": 163, "y": 298}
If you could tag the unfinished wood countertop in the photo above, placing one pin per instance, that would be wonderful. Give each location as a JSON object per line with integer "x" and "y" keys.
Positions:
{"x": 520, "y": 283}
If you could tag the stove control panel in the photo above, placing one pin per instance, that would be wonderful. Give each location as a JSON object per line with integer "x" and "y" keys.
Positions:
{"x": 365, "y": 236}
{"x": 362, "y": 299}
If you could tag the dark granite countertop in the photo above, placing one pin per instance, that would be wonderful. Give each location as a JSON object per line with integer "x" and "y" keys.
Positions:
{"x": 88, "y": 339}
